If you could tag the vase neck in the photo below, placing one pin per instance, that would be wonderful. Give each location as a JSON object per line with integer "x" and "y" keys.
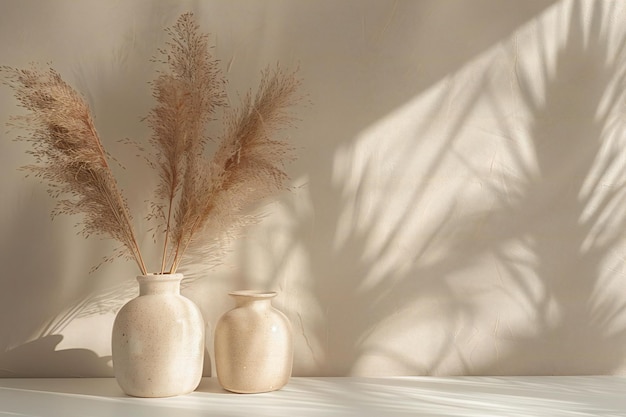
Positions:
{"x": 254, "y": 303}
{"x": 153, "y": 284}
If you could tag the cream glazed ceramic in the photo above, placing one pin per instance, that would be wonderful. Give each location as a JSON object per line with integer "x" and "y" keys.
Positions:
{"x": 253, "y": 345}
{"x": 158, "y": 340}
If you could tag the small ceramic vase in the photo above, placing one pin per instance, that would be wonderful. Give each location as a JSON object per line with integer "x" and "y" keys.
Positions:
{"x": 158, "y": 340}
{"x": 253, "y": 345}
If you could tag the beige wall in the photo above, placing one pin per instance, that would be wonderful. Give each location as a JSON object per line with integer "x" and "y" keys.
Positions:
{"x": 458, "y": 203}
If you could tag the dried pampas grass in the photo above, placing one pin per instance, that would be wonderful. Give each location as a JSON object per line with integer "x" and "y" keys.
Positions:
{"x": 200, "y": 203}
{"x": 69, "y": 155}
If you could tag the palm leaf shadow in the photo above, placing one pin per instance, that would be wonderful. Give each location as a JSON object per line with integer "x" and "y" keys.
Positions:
{"x": 339, "y": 285}
{"x": 554, "y": 217}
{"x": 563, "y": 215}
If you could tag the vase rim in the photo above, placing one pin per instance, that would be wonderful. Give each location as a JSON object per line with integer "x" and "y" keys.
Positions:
{"x": 155, "y": 277}
{"x": 253, "y": 294}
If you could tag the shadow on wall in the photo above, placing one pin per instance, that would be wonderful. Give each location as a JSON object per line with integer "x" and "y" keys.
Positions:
{"x": 41, "y": 359}
{"x": 357, "y": 238}
{"x": 566, "y": 211}
{"x": 386, "y": 264}
{"x": 389, "y": 277}
{"x": 33, "y": 303}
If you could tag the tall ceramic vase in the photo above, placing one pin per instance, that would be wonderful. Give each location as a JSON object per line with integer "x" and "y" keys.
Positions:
{"x": 253, "y": 345}
{"x": 158, "y": 340}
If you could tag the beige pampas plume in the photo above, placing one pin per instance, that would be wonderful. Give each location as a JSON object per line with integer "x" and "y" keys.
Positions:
{"x": 200, "y": 202}
{"x": 187, "y": 96}
{"x": 247, "y": 167}
{"x": 69, "y": 156}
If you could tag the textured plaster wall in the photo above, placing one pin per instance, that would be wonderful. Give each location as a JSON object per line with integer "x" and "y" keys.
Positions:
{"x": 459, "y": 196}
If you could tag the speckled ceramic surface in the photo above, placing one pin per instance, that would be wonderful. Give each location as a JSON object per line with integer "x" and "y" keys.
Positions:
{"x": 158, "y": 340}
{"x": 253, "y": 345}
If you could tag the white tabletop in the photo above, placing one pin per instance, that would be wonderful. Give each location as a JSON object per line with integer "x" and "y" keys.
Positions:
{"x": 416, "y": 396}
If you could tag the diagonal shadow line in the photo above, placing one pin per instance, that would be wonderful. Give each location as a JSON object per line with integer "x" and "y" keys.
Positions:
{"x": 529, "y": 190}
{"x": 375, "y": 300}
{"x": 573, "y": 297}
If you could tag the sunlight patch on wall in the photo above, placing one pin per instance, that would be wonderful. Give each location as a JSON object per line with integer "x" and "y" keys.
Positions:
{"x": 497, "y": 188}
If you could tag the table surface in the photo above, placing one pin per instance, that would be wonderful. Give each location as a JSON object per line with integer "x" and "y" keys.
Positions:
{"x": 415, "y": 396}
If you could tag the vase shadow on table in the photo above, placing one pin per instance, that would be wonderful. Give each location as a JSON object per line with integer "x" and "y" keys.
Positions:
{"x": 39, "y": 358}
{"x": 212, "y": 385}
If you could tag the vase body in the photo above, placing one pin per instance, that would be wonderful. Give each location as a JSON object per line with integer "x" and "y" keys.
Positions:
{"x": 158, "y": 340}
{"x": 253, "y": 345}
